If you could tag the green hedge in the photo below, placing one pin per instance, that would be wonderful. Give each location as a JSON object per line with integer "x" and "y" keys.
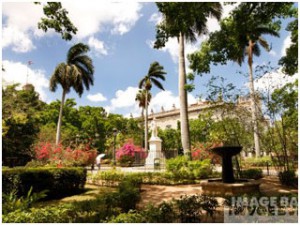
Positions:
{"x": 58, "y": 181}
{"x": 181, "y": 168}
{"x": 252, "y": 174}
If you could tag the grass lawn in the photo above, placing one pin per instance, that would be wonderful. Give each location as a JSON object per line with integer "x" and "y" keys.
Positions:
{"x": 90, "y": 192}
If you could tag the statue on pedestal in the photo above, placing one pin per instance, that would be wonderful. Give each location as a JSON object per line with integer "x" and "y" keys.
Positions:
{"x": 154, "y": 128}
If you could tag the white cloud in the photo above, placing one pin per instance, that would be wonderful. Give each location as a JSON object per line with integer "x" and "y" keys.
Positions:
{"x": 124, "y": 99}
{"x": 166, "y": 99}
{"x": 96, "y": 97}
{"x": 16, "y": 72}
{"x": 94, "y": 17}
{"x": 156, "y": 18}
{"x": 124, "y": 102}
{"x": 273, "y": 53}
{"x": 270, "y": 81}
{"x": 97, "y": 45}
{"x": 18, "y": 30}
{"x": 286, "y": 44}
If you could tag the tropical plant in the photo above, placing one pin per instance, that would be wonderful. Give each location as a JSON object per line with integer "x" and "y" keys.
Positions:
{"x": 240, "y": 36}
{"x": 155, "y": 73}
{"x": 184, "y": 21}
{"x": 76, "y": 73}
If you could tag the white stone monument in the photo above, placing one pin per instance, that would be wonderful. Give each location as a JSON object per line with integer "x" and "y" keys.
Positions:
{"x": 155, "y": 154}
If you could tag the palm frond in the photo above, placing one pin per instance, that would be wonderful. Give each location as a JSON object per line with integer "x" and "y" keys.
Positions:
{"x": 264, "y": 43}
{"x": 76, "y": 50}
{"x": 157, "y": 84}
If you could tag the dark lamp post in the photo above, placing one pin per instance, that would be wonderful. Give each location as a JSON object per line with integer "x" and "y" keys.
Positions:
{"x": 115, "y": 132}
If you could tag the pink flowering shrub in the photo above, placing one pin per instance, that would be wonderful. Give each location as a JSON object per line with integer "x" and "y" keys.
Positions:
{"x": 60, "y": 156}
{"x": 202, "y": 151}
{"x": 126, "y": 154}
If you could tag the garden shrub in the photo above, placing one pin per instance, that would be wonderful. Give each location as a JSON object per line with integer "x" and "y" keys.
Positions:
{"x": 288, "y": 178}
{"x": 252, "y": 174}
{"x": 191, "y": 208}
{"x": 50, "y": 214}
{"x": 131, "y": 217}
{"x": 58, "y": 181}
{"x": 182, "y": 168}
{"x": 126, "y": 154}
{"x": 129, "y": 195}
{"x": 261, "y": 161}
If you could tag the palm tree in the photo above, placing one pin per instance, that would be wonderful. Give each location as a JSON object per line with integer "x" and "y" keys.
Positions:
{"x": 141, "y": 99}
{"x": 184, "y": 21}
{"x": 155, "y": 72}
{"x": 77, "y": 73}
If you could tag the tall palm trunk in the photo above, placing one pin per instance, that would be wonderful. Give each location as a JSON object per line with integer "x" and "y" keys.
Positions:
{"x": 184, "y": 122}
{"x": 60, "y": 117}
{"x": 252, "y": 99}
{"x": 146, "y": 121}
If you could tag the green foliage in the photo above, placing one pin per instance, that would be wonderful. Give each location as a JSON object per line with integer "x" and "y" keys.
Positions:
{"x": 182, "y": 168}
{"x": 252, "y": 174}
{"x": 20, "y": 120}
{"x": 186, "y": 18}
{"x": 170, "y": 139}
{"x": 290, "y": 60}
{"x": 129, "y": 194}
{"x": 58, "y": 181}
{"x": 288, "y": 178}
{"x": 131, "y": 217}
{"x": 249, "y": 21}
{"x": 50, "y": 214}
{"x": 261, "y": 161}
{"x": 57, "y": 19}
{"x": 11, "y": 202}
{"x": 191, "y": 207}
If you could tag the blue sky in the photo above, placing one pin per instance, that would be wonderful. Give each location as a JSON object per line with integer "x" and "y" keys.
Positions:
{"x": 120, "y": 37}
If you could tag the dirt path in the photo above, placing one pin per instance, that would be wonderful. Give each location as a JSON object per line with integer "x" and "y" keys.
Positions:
{"x": 156, "y": 194}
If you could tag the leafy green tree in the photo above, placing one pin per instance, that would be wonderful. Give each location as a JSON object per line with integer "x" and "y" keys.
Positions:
{"x": 290, "y": 60}
{"x": 155, "y": 73}
{"x": 20, "y": 123}
{"x": 283, "y": 112}
{"x": 184, "y": 21}
{"x": 76, "y": 73}
{"x": 57, "y": 19}
{"x": 241, "y": 35}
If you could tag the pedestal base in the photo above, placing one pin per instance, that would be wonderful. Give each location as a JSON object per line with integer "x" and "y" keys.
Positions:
{"x": 155, "y": 156}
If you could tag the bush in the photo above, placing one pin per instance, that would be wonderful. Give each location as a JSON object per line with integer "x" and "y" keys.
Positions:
{"x": 53, "y": 214}
{"x": 252, "y": 174}
{"x": 129, "y": 195}
{"x": 131, "y": 217}
{"x": 58, "y": 181}
{"x": 261, "y": 161}
{"x": 182, "y": 168}
{"x": 288, "y": 178}
{"x": 191, "y": 208}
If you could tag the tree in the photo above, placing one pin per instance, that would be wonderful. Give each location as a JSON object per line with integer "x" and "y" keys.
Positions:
{"x": 141, "y": 99}
{"x": 290, "y": 60}
{"x": 184, "y": 21}
{"x": 240, "y": 36}
{"x": 155, "y": 73}
{"x": 20, "y": 123}
{"x": 57, "y": 19}
{"x": 76, "y": 73}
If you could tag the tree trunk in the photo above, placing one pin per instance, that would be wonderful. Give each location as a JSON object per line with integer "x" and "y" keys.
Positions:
{"x": 146, "y": 121}
{"x": 60, "y": 118}
{"x": 184, "y": 121}
{"x": 252, "y": 100}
